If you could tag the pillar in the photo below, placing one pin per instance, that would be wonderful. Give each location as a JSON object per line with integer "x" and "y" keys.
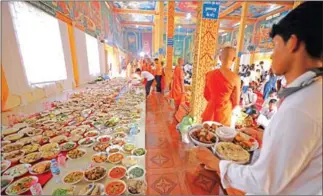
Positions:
{"x": 161, "y": 26}
{"x": 243, "y": 22}
{"x": 156, "y": 34}
{"x": 170, "y": 41}
{"x": 296, "y": 3}
{"x": 205, "y": 43}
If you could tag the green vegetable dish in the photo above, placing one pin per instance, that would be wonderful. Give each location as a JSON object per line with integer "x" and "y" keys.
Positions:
{"x": 136, "y": 172}
{"x": 139, "y": 152}
{"x": 62, "y": 192}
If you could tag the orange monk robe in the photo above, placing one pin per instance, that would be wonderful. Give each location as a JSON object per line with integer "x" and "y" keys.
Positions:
{"x": 221, "y": 96}
{"x": 177, "y": 89}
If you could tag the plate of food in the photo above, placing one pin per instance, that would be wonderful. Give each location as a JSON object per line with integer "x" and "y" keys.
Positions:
{"x": 211, "y": 125}
{"x": 26, "y": 140}
{"x": 100, "y": 157}
{"x": 9, "y": 131}
{"x": 17, "y": 170}
{"x": 5, "y": 182}
{"x": 92, "y": 189}
{"x": 5, "y": 164}
{"x": 14, "y": 156}
{"x": 104, "y": 139}
{"x": 117, "y": 172}
{"x": 12, "y": 147}
{"x": 4, "y": 143}
{"x": 50, "y": 151}
{"x": 73, "y": 177}
{"x": 20, "y": 125}
{"x": 75, "y": 137}
{"x": 95, "y": 174}
{"x": 34, "y": 132}
{"x": 137, "y": 187}
{"x": 127, "y": 148}
{"x": 25, "y": 130}
{"x": 40, "y": 139}
{"x": 92, "y": 134}
{"x": 129, "y": 161}
{"x": 69, "y": 128}
{"x": 202, "y": 137}
{"x": 86, "y": 142}
{"x": 63, "y": 191}
{"x": 78, "y": 131}
{"x": 139, "y": 152}
{"x": 101, "y": 147}
{"x": 115, "y": 187}
{"x": 246, "y": 142}
{"x": 49, "y": 133}
{"x": 135, "y": 172}
{"x": 31, "y": 148}
{"x": 119, "y": 142}
{"x": 67, "y": 146}
{"x": 119, "y": 135}
{"x": 115, "y": 158}
{"x": 14, "y": 137}
{"x": 232, "y": 152}
{"x": 31, "y": 158}
{"x": 113, "y": 149}
{"x": 21, "y": 186}
{"x": 40, "y": 168}
{"x": 76, "y": 153}
{"x": 58, "y": 139}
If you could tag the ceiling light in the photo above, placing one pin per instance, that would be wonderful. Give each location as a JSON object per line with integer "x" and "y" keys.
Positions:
{"x": 137, "y": 26}
{"x": 188, "y": 16}
{"x": 224, "y": 34}
{"x": 142, "y": 54}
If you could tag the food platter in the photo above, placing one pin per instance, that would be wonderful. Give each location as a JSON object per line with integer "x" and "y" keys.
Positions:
{"x": 31, "y": 158}
{"x": 232, "y": 152}
{"x": 100, "y": 157}
{"x": 17, "y": 170}
{"x": 21, "y": 186}
{"x": 40, "y": 168}
{"x": 245, "y": 141}
{"x": 5, "y": 182}
{"x": 115, "y": 158}
{"x": 76, "y": 153}
{"x": 5, "y": 164}
{"x": 14, "y": 156}
{"x": 201, "y": 137}
{"x": 73, "y": 177}
{"x": 115, "y": 187}
{"x": 95, "y": 174}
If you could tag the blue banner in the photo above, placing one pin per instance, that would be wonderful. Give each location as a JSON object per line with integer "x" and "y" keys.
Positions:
{"x": 170, "y": 41}
{"x": 211, "y": 10}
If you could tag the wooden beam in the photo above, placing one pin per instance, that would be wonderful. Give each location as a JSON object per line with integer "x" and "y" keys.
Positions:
{"x": 137, "y": 23}
{"x": 272, "y": 13}
{"x": 282, "y": 3}
{"x": 230, "y": 9}
{"x": 131, "y": 11}
{"x": 237, "y": 18}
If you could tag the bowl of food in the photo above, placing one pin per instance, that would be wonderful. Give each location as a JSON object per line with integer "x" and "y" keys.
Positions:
{"x": 95, "y": 174}
{"x": 137, "y": 187}
{"x": 113, "y": 149}
{"x": 127, "y": 148}
{"x": 117, "y": 172}
{"x": 78, "y": 131}
{"x": 246, "y": 142}
{"x": 115, "y": 158}
{"x": 135, "y": 172}
{"x": 9, "y": 131}
{"x": 202, "y": 137}
{"x": 104, "y": 139}
{"x": 232, "y": 152}
{"x": 73, "y": 177}
{"x": 119, "y": 135}
{"x": 86, "y": 142}
{"x": 118, "y": 141}
{"x": 63, "y": 191}
{"x": 67, "y": 146}
{"x": 12, "y": 147}
{"x": 58, "y": 139}
{"x": 129, "y": 161}
{"x": 14, "y": 156}
{"x": 50, "y": 151}
{"x": 49, "y": 133}
{"x": 115, "y": 187}
{"x": 31, "y": 148}
{"x": 40, "y": 168}
{"x": 40, "y": 139}
{"x": 101, "y": 147}
{"x": 75, "y": 137}
{"x": 139, "y": 152}
{"x": 226, "y": 134}
{"x": 5, "y": 182}
{"x": 76, "y": 153}
{"x": 92, "y": 189}
{"x": 92, "y": 134}
{"x": 13, "y": 137}
{"x": 31, "y": 158}
{"x": 21, "y": 186}
{"x": 100, "y": 157}
{"x": 26, "y": 140}
{"x": 4, "y": 143}
{"x": 17, "y": 170}
{"x": 5, "y": 164}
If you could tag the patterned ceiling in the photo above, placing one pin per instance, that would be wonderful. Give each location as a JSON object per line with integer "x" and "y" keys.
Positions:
{"x": 256, "y": 11}
{"x": 135, "y": 18}
{"x": 135, "y": 5}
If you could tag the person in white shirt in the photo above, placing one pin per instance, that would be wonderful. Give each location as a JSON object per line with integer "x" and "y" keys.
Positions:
{"x": 272, "y": 95}
{"x": 290, "y": 160}
{"x": 245, "y": 82}
{"x": 249, "y": 100}
{"x": 148, "y": 76}
{"x": 266, "y": 113}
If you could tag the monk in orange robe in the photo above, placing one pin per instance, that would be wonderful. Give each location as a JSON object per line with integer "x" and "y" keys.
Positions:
{"x": 177, "y": 91}
{"x": 222, "y": 90}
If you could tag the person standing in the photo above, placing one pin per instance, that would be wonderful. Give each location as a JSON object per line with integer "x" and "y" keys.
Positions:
{"x": 290, "y": 161}
{"x": 269, "y": 85}
{"x": 222, "y": 90}
{"x": 159, "y": 73}
{"x": 178, "y": 91}
{"x": 148, "y": 77}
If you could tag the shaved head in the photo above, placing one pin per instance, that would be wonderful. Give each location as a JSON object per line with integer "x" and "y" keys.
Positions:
{"x": 227, "y": 56}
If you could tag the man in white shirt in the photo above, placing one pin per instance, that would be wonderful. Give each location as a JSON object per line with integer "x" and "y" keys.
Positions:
{"x": 249, "y": 100}
{"x": 290, "y": 161}
{"x": 266, "y": 113}
{"x": 146, "y": 75}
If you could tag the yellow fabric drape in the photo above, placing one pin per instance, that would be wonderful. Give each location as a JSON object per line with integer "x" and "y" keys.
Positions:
{"x": 73, "y": 54}
{"x": 4, "y": 89}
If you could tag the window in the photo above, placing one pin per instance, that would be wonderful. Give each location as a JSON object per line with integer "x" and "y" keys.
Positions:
{"x": 40, "y": 43}
{"x": 92, "y": 49}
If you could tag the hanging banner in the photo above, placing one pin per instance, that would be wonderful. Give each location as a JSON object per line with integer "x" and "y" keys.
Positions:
{"x": 211, "y": 10}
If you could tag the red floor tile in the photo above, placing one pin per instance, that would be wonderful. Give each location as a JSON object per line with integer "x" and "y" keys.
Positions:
{"x": 156, "y": 159}
{"x": 166, "y": 184}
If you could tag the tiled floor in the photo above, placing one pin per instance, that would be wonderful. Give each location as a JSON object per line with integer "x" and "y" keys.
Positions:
{"x": 170, "y": 169}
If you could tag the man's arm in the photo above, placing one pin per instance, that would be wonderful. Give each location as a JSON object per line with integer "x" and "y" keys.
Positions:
{"x": 235, "y": 96}
{"x": 283, "y": 156}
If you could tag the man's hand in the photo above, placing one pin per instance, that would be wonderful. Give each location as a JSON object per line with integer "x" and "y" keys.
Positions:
{"x": 207, "y": 157}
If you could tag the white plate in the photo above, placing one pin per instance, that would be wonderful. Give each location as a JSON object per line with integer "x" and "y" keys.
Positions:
{"x": 117, "y": 161}
{"x": 10, "y": 137}
{"x": 75, "y": 181}
{"x": 101, "y": 186}
{"x": 133, "y": 152}
{"x": 255, "y": 144}
{"x": 6, "y": 164}
{"x": 33, "y": 173}
{"x": 19, "y": 168}
{"x": 35, "y": 179}
{"x": 9, "y": 131}
{"x": 145, "y": 184}
{"x": 81, "y": 149}
{"x": 92, "y": 131}
{"x": 105, "y": 174}
{"x": 195, "y": 128}
{"x": 9, "y": 178}
{"x": 86, "y": 145}
{"x": 223, "y": 158}
{"x": 103, "y": 136}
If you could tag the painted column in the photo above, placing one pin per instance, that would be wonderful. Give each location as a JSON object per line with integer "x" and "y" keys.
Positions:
{"x": 170, "y": 42}
{"x": 252, "y": 54}
{"x": 156, "y": 35}
{"x": 161, "y": 26}
{"x": 205, "y": 43}
{"x": 243, "y": 23}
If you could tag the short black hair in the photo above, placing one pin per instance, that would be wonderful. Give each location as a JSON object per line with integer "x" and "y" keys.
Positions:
{"x": 305, "y": 22}
{"x": 261, "y": 62}
{"x": 156, "y": 59}
{"x": 273, "y": 101}
{"x": 138, "y": 70}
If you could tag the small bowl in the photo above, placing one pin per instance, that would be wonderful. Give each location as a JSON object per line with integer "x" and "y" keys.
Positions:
{"x": 142, "y": 193}
{"x": 117, "y": 166}
{"x": 102, "y": 137}
{"x": 129, "y": 158}
{"x": 133, "y": 152}
{"x": 125, "y": 186}
{"x": 226, "y": 134}
{"x": 131, "y": 168}
{"x": 97, "y": 133}
{"x": 86, "y": 145}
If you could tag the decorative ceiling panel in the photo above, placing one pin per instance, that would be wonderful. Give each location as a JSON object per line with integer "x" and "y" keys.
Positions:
{"x": 135, "y": 5}
{"x": 136, "y": 18}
